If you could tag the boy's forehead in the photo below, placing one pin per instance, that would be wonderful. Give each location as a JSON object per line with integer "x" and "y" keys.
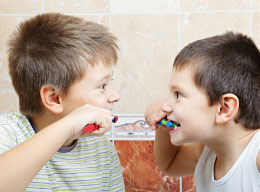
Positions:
{"x": 181, "y": 77}
{"x": 99, "y": 71}
{"x": 183, "y": 80}
{"x": 186, "y": 71}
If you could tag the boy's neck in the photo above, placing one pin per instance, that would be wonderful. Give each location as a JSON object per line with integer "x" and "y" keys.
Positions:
{"x": 44, "y": 120}
{"x": 228, "y": 146}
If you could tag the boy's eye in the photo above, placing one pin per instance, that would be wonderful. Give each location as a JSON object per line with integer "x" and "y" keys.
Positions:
{"x": 102, "y": 86}
{"x": 178, "y": 95}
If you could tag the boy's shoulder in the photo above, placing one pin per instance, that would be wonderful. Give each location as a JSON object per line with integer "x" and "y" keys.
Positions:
{"x": 14, "y": 129}
{"x": 257, "y": 138}
{"x": 13, "y": 118}
{"x": 16, "y": 124}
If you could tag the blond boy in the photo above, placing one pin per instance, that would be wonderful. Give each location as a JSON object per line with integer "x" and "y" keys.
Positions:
{"x": 61, "y": 70}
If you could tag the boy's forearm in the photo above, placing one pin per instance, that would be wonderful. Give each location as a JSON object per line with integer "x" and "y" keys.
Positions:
{"x": 19, "y": 166}
{"x": 164, "y": 151}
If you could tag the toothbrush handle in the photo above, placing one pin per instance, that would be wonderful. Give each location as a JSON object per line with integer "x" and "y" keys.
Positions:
{"x": 93, "y": 126}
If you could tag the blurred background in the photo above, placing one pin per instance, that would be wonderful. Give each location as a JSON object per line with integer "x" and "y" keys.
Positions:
{"x": 150, "y": 33}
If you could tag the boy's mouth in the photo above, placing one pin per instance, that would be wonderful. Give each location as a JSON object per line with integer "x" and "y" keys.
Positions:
{"x": 169, "y": 124}
{"x": 175, "y": 125}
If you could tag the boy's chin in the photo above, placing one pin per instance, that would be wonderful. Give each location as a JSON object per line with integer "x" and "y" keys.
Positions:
{"x": 177, "y": 142}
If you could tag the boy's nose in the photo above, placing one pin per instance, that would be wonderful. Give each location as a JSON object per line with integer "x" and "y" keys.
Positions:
{"x": 114, "y": 96}
{"x": 167, "y": 107}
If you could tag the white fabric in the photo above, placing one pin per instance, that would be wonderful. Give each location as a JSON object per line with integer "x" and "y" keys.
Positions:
{"x": 242, "y": 177}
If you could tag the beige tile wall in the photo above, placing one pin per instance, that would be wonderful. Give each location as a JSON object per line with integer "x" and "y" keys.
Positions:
{"x": 150, "y": 34}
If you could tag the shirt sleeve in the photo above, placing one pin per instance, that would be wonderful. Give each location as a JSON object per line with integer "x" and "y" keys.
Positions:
{"x": 7, "y": 136}
{"x": 116, "y": 178}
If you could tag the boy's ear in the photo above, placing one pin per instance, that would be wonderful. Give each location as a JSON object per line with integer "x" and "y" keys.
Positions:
{"x": 228, "y": 108}
{"x": 51, "y": 98}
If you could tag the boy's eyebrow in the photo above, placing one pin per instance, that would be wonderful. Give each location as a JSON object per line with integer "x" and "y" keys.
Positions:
{"x": 106, "y": 77}
{"x": 176, "y": 87}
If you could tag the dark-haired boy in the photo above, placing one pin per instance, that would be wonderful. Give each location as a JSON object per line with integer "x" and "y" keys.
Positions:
{"x": 214, "y": 101}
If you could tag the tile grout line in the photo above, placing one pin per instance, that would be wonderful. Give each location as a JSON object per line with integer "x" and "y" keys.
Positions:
{"x": 250, "y": 18}
{"x": 179, "y": 27}
{"x": 43, "y": 8}
{"x": 110, "y": 29}
{"x": 143, "y": 13}
{"x": 179, "y": 47}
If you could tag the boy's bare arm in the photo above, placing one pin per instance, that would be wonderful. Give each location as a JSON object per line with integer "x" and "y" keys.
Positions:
{"x": 164, "y": 151}
{"x": 19, "y": 165}
{"x": 258, "y": 161}
{"x": 175, "y": 160}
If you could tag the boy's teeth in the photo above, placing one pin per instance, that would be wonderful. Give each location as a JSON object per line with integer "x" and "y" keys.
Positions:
{"x": 176, "y": 125}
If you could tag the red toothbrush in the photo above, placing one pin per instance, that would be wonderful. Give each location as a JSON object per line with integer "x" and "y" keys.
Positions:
{"x": 93, "y": 127}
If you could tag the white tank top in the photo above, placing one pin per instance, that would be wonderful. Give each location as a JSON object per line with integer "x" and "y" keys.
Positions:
{"x": 243, "y": 176}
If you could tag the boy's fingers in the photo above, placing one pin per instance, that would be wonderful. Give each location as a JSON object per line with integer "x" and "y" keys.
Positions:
{"x": 101, "y": 131}
{"x": 153, "y": 127}
{"x": 104, "y": 126}
{"x": 160, "y": 116}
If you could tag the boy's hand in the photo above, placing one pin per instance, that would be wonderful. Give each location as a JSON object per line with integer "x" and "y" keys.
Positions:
{"x": 88, "y": 114}
{"x": 155, "y": 112}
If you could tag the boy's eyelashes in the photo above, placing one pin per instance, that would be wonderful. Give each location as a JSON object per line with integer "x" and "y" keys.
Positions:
{"x": 178, "y": 95}
{"x": 103, "y": 86}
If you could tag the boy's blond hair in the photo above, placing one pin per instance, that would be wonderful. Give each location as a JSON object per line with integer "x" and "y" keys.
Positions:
{"x": 54, "y": 49}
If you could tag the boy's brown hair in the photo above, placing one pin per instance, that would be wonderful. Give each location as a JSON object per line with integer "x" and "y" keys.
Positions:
{"x": 228, "y": 63}
{"x": 55, "y": 49}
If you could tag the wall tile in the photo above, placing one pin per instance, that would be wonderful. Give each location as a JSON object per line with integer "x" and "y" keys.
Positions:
{"x": 5, "y": 81}
{"x": 140, "y": 171}
{"x": 100, "y": 19}
{"x": 77, "y": 6}
{"x": 8, "y": 97}
{"x": 201, "y": 25}
{"x": 9, "y": 23}
{"x": 256, "y": 4}
{"x": 8, "y": 101}
{"x": 188, "y": 184}
{"x": 147, "y": 49}
{"x": 18, "y": 6}
{"x": 144, "y": 6}
{"x": 205, "y": 5}
{"x": 256, "y": 28}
